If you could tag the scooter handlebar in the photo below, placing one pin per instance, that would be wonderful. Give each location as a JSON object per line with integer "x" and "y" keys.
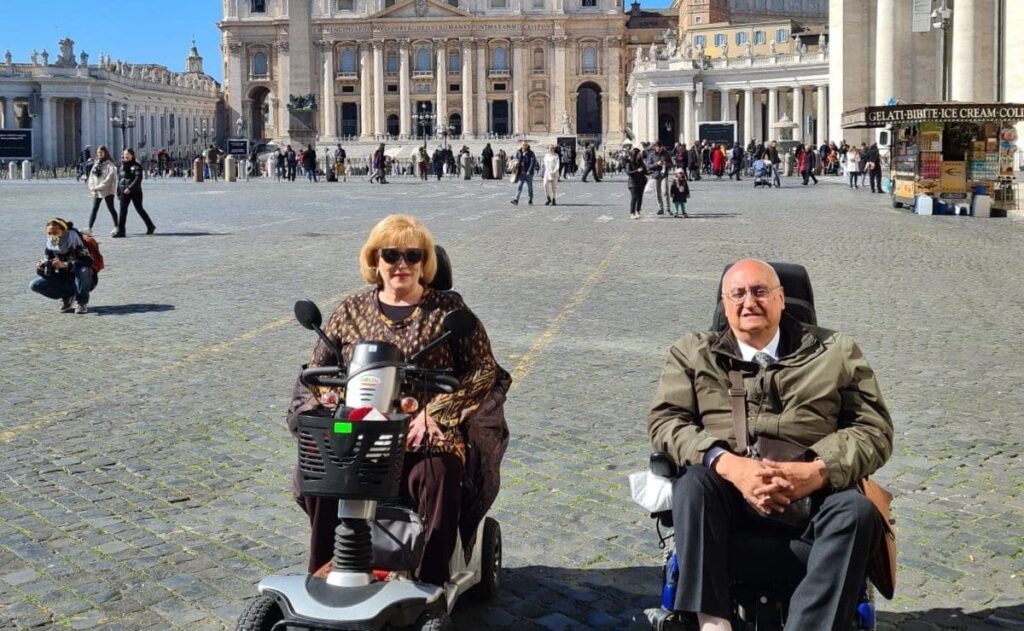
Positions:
{"x": 323, "y": 376}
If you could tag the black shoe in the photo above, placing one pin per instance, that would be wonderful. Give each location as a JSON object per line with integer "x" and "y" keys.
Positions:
{"x": 553, "y": 202}
{"x": 661, "y": 211}
{"x": 515, "y": 202}
{"x": 530, "y": 202}
{"x": 119, "y": 235}
{"x": 151, "y": 230}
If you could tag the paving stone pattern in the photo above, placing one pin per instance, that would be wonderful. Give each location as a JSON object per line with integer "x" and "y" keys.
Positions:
{"x": 145, "y": 465}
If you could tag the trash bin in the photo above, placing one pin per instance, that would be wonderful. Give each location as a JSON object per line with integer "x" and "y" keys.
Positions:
{"x": 197, "y": 169}
{"x": 12, "y": 170}
{"x": 26, "y": 170}
{"x": 467, "y": 166}
{"x": 230, "y": 169}
{"x": 498, "y": 165}
{"x": 790, "y": 164}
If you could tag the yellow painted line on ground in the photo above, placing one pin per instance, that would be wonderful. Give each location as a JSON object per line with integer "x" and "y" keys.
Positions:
{"x": 527, "y": 361}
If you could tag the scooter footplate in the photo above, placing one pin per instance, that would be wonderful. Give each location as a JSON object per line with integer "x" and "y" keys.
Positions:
{"x": 305, "y": 597}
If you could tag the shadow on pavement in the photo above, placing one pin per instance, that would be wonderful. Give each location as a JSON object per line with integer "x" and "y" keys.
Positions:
{"x": 1011, "y": 617}
{"x": 129, "y": 309}
{"x": 190, "y": 234}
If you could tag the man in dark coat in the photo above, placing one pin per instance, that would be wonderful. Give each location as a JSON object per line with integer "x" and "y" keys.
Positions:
{"x": 309, "y": 163}
{"x": 589, "y": 162}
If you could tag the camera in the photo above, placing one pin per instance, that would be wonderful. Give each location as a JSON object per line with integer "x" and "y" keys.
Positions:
{"x": 45, "y": 268}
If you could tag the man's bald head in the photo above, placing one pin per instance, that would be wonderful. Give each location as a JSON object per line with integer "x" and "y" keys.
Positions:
{"x": 753, "y": 319}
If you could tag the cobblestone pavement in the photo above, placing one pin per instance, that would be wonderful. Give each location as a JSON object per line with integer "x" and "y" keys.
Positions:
{"x": 145, "y": 466}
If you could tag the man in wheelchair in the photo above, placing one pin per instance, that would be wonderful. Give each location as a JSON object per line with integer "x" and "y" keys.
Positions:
{"x": 772, "y": 422}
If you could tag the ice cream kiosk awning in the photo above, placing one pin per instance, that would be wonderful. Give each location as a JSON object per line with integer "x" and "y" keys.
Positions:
{"x": 950, "y": 158}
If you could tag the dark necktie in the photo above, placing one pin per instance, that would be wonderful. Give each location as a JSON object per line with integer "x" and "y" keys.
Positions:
{"x": 763, "y": 359}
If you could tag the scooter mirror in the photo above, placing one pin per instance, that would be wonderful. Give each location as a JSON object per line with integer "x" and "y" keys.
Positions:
{"x": 459, "y": 323}
{"x": 308, "y": 315}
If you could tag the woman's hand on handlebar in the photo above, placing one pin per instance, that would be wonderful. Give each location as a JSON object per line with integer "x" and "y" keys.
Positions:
{"x": 423, "y": 429}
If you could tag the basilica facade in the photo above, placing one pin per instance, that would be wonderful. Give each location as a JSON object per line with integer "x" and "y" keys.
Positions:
{"x": 321, "y": 71}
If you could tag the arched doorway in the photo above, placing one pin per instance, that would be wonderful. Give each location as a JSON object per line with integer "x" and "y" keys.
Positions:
{"x": 455, "y": 124}
{"x": 259, "y": 113}
{"x": 667, "y": 129}
{"x": 588, "y": 109}
{"x": 393, "y": 126}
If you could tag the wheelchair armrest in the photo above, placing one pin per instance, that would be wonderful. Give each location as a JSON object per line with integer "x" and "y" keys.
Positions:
{"x": 663, "y": 465}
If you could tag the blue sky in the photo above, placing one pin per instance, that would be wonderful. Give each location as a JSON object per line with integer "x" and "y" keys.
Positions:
{"x": 139, "y": 31}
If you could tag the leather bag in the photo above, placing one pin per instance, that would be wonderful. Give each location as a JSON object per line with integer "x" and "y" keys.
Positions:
{"x": 882, "y": 565}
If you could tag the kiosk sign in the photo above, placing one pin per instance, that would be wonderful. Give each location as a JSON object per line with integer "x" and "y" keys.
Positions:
{"x": 238, "y": 147}
{"x": 15, "y": 144}
{"x": 939, "y": 112}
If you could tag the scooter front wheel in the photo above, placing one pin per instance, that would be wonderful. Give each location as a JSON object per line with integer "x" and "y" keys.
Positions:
{"x": 261, "y": 614}
{"x": 433, "y": 620}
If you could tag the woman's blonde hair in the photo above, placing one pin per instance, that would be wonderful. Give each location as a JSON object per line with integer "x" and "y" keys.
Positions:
{"x": 398, "y": 231}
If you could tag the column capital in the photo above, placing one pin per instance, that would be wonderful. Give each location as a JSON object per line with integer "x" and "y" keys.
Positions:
{"x": 282, "y": 46}
{"x": 560, "y": 41}
{"x": 324, "y": 45}
{"x": 440, "y": 42}
{"x": 403, "y": 45}
{"x": 234, "y": 47}
{"x": 377, "y": 44}
{"x": 613, "y": 41}
{"x": 467, "y": 41}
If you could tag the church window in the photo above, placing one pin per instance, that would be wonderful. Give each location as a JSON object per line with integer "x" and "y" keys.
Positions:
{"x": 346, "y": 5}
{"x": 392, "y": 63}
{"x": 499, "y": 59}
{"x": 538, "y": 4}
{"x": 498, "y": 4}
{"x": 538, "y": 58}
{"x": 719, "y": 39}
{"x": 453, "y": 3}
{"x": 781, "y": 36}
{"x": 454, "y": 62}
{"x": 259, "y": 6}
{"x": 589, "y": 60}
{"x": 259, "y": 65}
{"x": 422, "y": 60}
{"x": 348, "y": 61}
{"x": 588, "y": 3}
{"x": 759, "y": 37}
{"x": 700, "y": 41}
{"x": 741, "y": 38}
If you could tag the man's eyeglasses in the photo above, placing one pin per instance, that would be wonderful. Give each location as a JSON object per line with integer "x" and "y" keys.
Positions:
{"x": 757, "y": 292}
{"x": 391, "y": 255}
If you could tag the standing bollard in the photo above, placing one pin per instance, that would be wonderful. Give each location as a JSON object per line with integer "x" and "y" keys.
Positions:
{"x": 197, "y": 169}
{"x": 467, "y": 167}
{"x": 498, "y": 167}
{"x": 230, "y": 169}
{"x": 26, "y": 170}
{"x": 12, "y": 170}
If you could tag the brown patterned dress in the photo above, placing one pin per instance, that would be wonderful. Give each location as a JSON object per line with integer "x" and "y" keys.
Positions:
{"x": 359, "y": 319}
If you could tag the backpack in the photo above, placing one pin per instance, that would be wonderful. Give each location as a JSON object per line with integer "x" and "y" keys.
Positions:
{"x": 94, "y": 251}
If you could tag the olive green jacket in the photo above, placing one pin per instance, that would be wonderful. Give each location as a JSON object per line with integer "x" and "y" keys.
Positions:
{"x": 821, "y": 395}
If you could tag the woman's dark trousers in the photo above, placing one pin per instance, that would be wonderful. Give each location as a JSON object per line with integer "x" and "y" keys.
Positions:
{"x": 843, "y": 531}
{"x": 109, "y": 199}
{"x": 136, "y": 200}
{"x": 636, "y": 199}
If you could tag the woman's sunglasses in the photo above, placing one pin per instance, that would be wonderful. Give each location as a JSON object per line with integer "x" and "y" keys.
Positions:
{"x": 391, "y": 255}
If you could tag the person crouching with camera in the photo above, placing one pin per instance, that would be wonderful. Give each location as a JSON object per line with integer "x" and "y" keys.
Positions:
{"x": 65, "y": 272}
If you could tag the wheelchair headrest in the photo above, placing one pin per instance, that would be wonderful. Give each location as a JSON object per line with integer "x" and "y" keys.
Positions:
{"x": 443, "y": 278}
{"x": 796, "y": 284}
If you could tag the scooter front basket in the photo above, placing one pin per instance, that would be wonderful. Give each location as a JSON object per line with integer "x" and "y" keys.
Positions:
{"x": 350, "y": 459}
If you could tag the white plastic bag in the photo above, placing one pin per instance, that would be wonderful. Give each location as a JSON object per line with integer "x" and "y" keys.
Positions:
{"x": 652, "y": 492}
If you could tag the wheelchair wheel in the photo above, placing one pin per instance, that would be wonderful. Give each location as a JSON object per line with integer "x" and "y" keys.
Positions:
{"x": 433, "y": 620}
{"x": 490, "y": 561}
{"x": 261, "y": 614}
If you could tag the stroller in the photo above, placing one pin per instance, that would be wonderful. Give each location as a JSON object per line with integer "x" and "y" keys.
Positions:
{"x": 762, "y": 171}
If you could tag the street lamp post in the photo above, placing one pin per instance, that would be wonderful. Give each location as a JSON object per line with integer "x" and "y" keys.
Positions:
{"x": 201, "y": 132}
{"x": 124, "y": 122}
{"x": 940, "y": 22}
{"x": 424, "y": 119}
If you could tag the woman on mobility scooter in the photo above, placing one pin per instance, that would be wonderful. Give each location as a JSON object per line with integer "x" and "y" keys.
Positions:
{"x": 773, "y": 422}
{"x": 400, "y": 261}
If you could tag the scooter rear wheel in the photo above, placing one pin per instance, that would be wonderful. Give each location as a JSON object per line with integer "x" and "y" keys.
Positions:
{"x": 490, "y": 561}
{"x": 261, "y": 614}
{"x": 433, "y": 620}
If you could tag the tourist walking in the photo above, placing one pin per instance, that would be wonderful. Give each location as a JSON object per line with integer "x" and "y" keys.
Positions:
{"x": 380, "y": 164}
{"x": 853, "y": 166}
{"x": 525, "y": 166}
{"x": 589, "y": 162}
{"x": 680, "y": 192}
{"x": 212, "y": 157}
{"x": 438, "y": 161}
{"x": 873, "y": 166}
{"x": 736, "y": 162}
{"x": 552, "y": 168}
{"x": 637, "y": 181}
{"x": 102, "y": 184}
{"x": 129, "y": 188}
{"x": 658, "y": 167}
{"x": 309, "y": 163}
{"x": 772, "y": 155}
{"x": 293, "y": 161}
{"x": 806, "y": 159}
{"x": 423, "y": 160}
{"x": 718, "y": 161}
{"x": 279, "y": 166}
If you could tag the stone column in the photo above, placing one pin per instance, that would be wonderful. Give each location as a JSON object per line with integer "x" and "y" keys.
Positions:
{"x": 962, "y": 58}
{"x": 689, "y": 129}
{"x": 482, "y": 122}
{"x": 9, "y": 122}
{"x": 726, "y": 105}
{"x": 365, "y": 76}
{"x": 773, "y": 112}
{"x": 379, "y": 125}
{"x": 558, "y": 83}
{"x": 441, "y": 82}
{"x": 284, "y": 63}
{"x": 88, "y": 119}
{"x": 885, "y": 51}
{"x": 49, "y": 123}
{"x": 748, "y": 116}
{"x": 822, "y": 136}
{"x": 237, "y": 81}
{"x": 468, "y": 118}
{"x": 613, "y": 113}
{"x": 798, "y": 113}
{"x": 328, "y": 106}
{"x": 519, "y": 87}
{"x": 652, "y": 117}
{"x": 404, "y": 90}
